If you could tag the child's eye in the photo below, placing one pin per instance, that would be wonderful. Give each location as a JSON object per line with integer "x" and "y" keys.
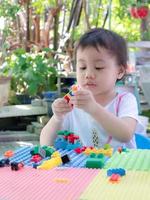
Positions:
{"x": 99, "y": 68}
{"x": 82, "y": 68}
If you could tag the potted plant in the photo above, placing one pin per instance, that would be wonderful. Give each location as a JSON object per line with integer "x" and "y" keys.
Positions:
{"x": 32, "y": 73}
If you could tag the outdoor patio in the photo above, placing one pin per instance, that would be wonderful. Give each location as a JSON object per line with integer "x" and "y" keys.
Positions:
{"x": 103, "y": 151}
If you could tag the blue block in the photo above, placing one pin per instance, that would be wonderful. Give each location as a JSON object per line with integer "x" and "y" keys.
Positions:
{"x": 71, "y": 146}
{"x": 119, "y": 171}
{"x": 60, "y": 143}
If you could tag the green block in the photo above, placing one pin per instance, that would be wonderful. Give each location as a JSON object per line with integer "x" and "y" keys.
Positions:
{"x": 49, "y": 150}
{"x": 95, "y": 161}
{"x": 38, "y": 150}
{"x": 107, "y": 146}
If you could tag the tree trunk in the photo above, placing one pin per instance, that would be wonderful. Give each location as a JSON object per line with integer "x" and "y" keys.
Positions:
{"x": 28, "y": 27}
{"x": 36, "y": 22}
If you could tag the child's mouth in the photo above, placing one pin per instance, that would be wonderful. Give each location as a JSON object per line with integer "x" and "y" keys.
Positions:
{"x": 90, "y": 85}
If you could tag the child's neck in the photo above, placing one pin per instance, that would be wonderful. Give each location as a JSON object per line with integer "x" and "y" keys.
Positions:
{"x": 105, "y": 99}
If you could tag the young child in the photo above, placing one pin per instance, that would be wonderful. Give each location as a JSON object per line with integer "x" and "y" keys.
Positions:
{"x": 99, "y": 114}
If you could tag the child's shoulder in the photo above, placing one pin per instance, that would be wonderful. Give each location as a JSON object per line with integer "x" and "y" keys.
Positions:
{"x": 125, "y": 95}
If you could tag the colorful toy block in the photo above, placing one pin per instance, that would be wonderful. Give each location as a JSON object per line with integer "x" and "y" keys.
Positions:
{"x": 51, "y": 163}
{"x": 65, "y": 159}
{"x": 107, "y": 146}
{"x": 70, "y": 146}
{"x": 115, "y": 178}
{"x": 119, "y": 171}
{"x": 60, "y": 143}
{"x": 36, "y": 158}
{"x": 4, "y": 162}
{"x": 122, "y": 149}
{"x": 95, "y": 161}
{"x": 44, "y": 151}
{"x": 72, "y": 138}
{"x": 8, "y": 153}
{"x": 15, "y": 166}
{"x": 63, "y": 132}
{"x": 49, "y": 150}
{"x": 73, "y": 89}
{"x": 106, "y": 152}
{"x": 37, "y": 150}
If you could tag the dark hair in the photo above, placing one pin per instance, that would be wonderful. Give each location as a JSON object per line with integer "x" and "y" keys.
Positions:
{"x": 114, "y": 43}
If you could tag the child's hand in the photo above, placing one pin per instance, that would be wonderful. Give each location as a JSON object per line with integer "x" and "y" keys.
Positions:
{"x": 60, "y": 107}
{"x": 83, "y": 99}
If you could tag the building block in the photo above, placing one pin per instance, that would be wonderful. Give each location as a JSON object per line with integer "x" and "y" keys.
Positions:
{"x": 122, "y": 149}
{"x": 115, "y": 178}
{"x": 15, "y": 166}
{"x": 36, "y": 158}
{"x": 49, "y": 150}
{"x": 70, "y": 146}
{"x": 73, "y": 89}
{"x": 49, "y": 164}
{"x": 95, "y": 161}
{"x": 9, "y": 153}
{"x": 78, "y": 150}
{"x": 107, "y": 146}
{"x": 4, "y": 162}
{"x": 67, "y": 97}
{"x": 106, "y": 152}
{"x": 63, "y": 132}
{"x": 60, "y": 143}
{"x": 65, "y": 159}
{"x": 37, "y": 150}
{"x": 72, "y": 138}
{"x": 119, "y": 171}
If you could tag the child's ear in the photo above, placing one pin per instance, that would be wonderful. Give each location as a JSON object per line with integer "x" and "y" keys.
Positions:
{"x": 121, "y": 72}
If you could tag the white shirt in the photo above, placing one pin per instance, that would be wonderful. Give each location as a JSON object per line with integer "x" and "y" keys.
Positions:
{"x": 91, "y": 133}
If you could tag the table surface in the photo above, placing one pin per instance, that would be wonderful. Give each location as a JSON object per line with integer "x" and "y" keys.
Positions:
{"x": 73, "y": 181}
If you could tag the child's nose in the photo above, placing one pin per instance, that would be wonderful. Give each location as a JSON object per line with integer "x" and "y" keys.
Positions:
{"x": 90, "y": 74}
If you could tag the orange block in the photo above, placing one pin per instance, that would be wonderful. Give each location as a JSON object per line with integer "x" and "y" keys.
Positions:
{"x": 8, "y": 153}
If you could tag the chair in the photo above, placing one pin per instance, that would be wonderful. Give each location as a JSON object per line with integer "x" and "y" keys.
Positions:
{"x": 142, "y": 142}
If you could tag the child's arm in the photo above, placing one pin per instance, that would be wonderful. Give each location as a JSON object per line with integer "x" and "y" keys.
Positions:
{"x": 60, "y": 108}
{"x": 48, "y": 133}
{"x": 120, "y": 128}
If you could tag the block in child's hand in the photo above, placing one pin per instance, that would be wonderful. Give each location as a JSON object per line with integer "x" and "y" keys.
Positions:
{"x": 73, "y": 89}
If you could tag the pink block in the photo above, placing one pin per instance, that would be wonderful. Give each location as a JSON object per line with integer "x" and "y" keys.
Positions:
{"x": 35, "y": 184}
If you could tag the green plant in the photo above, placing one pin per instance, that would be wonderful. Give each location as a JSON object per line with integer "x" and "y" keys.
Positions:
{"x": 139, "y": 3}
{"x": 32, "y": 73}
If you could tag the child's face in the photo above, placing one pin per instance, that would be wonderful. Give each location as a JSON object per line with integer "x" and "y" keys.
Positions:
{"x": 97, "y": 70}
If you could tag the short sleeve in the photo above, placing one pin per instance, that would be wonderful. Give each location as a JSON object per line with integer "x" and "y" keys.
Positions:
{"x": 128, "y": 108}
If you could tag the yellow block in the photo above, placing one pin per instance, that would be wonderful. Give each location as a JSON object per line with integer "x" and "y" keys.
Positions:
{"x": 106, "y": 152}
{"x": 49, "y": 164}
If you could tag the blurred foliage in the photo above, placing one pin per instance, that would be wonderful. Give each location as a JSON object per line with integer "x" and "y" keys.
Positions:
{"x": 36, "y": 71}
{"x": 32, "y": 73}
{"x": 8, "y": 9}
